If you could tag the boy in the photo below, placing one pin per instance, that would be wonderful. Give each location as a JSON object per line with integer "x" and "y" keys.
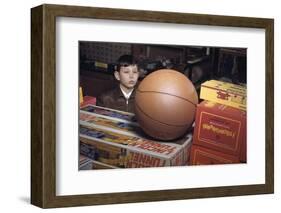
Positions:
{"x": 122, "y": 97}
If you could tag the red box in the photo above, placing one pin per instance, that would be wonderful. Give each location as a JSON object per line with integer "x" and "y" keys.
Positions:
{"x": 243, "y": 154}
{"x": 88, "y": 100}
{"x": 220, "y": 127}
{"x": 205, "y": 156}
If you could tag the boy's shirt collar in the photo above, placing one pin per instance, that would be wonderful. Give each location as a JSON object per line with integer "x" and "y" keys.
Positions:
{"x": 126, "y": 95}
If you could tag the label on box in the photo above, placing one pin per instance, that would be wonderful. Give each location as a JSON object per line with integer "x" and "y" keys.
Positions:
{"x": 220, "y": 127}
{"x": 219, "y": 130}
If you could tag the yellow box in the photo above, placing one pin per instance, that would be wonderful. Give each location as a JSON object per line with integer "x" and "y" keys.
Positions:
{"x": 81, "y": 95}
{"x": 224, "y": 93}
{"x": 101, "y": 65}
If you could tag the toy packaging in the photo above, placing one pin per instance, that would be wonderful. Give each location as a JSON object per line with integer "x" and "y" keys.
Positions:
{"x": 204, "y": 156}
{"x": 115, "y": 139}
{"x": 224, "y": 93}
{"x": 221, "y": 128}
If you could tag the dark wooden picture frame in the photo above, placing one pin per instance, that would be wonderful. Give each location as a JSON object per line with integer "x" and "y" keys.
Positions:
{"x": 43, "y": 105}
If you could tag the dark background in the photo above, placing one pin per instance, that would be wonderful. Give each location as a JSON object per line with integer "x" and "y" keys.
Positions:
{"x": 97, "y": 61}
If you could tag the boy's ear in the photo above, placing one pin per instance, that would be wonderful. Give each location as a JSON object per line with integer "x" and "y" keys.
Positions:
{"x": 117, "y": 76}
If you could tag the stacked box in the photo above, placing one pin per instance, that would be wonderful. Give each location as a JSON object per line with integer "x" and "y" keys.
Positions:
{"x": 86, "y": 100}
{"x": 115, "y": 139}
{"x": 85, "y": 163}
{"x": 205, "y": 156}
{"x": 220, "y": 127}
{"x": 220, "y": 124}
{"x": 224, "y": 93}
{"x": 109, "y": 113}
{"x": 99, "y": 165}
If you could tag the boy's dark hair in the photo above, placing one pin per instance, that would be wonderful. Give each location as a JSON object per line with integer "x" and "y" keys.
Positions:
{"x": 124, "y": 61}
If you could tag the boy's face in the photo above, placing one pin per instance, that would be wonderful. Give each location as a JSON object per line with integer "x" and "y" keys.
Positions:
{"x": 127, "y": 76}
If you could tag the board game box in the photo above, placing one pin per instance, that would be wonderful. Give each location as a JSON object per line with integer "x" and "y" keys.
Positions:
{"x": 114, "y": 138}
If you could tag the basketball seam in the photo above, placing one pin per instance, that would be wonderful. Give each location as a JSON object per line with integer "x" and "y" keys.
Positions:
{"x": 158, "y": 120}
{"x": 167, "y": 94}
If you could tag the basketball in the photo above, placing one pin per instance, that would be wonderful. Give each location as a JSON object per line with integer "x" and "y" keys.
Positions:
{"x": 165, "y": 104}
